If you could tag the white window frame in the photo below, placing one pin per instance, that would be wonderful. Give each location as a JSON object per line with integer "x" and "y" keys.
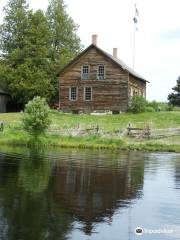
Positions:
{"x": 70, "y": 94}
{"x": 98, "y": 77}
{"x": 85, "y": 65}
{"x": 85, "y": 94}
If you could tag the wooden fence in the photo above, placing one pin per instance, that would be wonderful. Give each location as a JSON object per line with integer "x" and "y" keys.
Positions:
{"x": 148, "y": 132}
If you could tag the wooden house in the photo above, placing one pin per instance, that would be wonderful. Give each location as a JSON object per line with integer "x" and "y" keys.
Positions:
{"x": 4, "y": 97}
{"x": 98, "y": 81}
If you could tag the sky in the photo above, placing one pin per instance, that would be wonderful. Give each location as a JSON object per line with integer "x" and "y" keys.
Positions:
{"x": 157, "y": 48}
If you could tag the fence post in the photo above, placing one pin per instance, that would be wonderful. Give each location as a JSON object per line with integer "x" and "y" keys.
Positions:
{"x": 129, "y": 129}
{"x": 97, "y": 128}
{"x": 1, "y": 126}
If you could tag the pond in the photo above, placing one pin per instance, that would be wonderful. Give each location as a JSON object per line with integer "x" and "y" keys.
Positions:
{"x": 73, "y": 194}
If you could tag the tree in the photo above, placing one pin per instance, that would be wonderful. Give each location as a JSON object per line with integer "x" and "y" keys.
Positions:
{"x": 34, "y": 47}
{"x": 174, "y": 97}
{"x": 36, "y": 117}
{"x": 14, "y": 26}
{"x": 28, "y": 64}
{"x": 64, "y": 40}
{"x": 33, "y": 76}
{"x": 138, "y": 104}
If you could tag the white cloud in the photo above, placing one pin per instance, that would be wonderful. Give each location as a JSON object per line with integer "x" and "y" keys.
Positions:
{"x": 157, "y": 41}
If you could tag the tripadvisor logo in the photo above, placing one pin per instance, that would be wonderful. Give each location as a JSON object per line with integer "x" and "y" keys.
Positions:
{"x": 139, "y": 231}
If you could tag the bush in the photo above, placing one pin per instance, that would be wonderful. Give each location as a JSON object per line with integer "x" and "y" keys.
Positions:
{"x": 169, "y": 107}
{"x": 150, "y": 109}
{"x": 153, "y": 105}
{"x": 138, "y": 104}
{"x": 36, "y": 117}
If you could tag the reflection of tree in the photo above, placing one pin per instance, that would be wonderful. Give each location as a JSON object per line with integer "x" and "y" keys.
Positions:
{"x": 34, "y": 172}
{"x": 25, "y": 214}
{"x": 41, "y": 200}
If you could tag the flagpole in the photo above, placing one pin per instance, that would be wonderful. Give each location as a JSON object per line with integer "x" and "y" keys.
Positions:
{"x": 134, "y": 47}
{"x": 135, "y": 29}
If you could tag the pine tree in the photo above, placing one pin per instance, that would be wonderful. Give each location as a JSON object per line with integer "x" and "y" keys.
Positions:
{"x": 34, "y": 47}
{"x": 33, "y": 76}
{"x": 64, "y": 40}
{"x": 25, "y": 39}
{"x": 174, "y": 97}
{"x": 14, "y": 26}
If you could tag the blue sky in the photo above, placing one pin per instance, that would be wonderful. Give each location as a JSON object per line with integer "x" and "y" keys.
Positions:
{"x": 157, "y": 41}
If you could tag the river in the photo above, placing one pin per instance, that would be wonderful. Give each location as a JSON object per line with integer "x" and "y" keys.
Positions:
{"x": 69, "y": 194}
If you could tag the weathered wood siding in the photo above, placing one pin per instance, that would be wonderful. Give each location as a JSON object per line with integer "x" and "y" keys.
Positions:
{"x": 3, "y": 102}
{"x": 136, "y": 87}
{"x": 108, "y": 94}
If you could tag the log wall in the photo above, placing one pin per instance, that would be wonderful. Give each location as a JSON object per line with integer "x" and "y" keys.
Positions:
{"x": 110, "y": 94}
{"x": 136, "y": 87}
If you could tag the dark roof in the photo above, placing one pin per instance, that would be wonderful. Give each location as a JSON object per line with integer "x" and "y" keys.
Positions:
{"x": 115, "y": 60}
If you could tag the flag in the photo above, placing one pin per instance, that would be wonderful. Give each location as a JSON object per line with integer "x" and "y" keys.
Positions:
{"x": 136, "y": 16}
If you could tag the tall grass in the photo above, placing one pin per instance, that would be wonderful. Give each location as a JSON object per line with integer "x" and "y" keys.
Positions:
{"x": 14, "y": 135}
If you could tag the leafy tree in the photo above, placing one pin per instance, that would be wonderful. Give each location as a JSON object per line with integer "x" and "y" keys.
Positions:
{"x": 64, "y": 40}
{"x": 138, "y": 104}
{"x": 174, "y": 97}
{"x": 36, "y": 117}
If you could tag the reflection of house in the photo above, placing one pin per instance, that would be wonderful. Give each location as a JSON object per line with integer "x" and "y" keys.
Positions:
{"x": 93, "y": 194}
{"x": 4, "y": 97}
{"x": 96, "y": 80}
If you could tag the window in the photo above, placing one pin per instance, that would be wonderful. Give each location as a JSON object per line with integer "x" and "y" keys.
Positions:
{"x": 73, "y": 93}
{"x": 85, "y": 72}
{"x": 101, "y": 72}
{"x": 88, "y": 93}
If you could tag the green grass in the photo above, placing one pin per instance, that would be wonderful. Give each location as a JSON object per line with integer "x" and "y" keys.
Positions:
{"x": 107, "y": 122}
{"x": 14, "y": 135}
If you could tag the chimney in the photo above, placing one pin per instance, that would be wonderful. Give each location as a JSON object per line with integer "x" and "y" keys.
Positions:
{"x": 94, "y": 39}
{"x": 115, "y": 51}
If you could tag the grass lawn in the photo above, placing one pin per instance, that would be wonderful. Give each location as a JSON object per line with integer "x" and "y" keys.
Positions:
{"x": 13, "y": 133}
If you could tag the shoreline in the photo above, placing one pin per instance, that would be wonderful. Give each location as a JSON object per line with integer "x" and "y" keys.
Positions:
{"x": 87, "y": 142}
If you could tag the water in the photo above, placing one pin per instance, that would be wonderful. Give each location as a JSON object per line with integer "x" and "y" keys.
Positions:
{"x": 92, "y": 195}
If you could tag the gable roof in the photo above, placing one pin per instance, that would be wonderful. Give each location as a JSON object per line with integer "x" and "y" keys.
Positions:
{"x": 117, "y": 61}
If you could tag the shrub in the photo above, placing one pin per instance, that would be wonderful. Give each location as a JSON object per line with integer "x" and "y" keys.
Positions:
{"x": 169, "y": 107}
{"x": 154, "y": 105}
{"x": 36, "y": 116}
{"x": 150, "y": 109}
{"x": 138, "y": 104}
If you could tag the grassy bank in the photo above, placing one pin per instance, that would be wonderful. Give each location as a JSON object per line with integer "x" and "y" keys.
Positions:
{"x": 14, "y": 135}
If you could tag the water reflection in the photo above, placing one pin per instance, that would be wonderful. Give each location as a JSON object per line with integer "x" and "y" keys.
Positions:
{"x": 34, "y": 173}
{"x": 98, "y": 185}
{"x": 44, "y": 194}
{"x": 69, "y": 185}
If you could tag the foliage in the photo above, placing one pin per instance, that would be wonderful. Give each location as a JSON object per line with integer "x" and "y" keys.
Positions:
{"x": 174, "y": 97}
{"x": 34, "y": 46}
{"x": 169, "y": 107}
{"x": 65, "y": 44}
{"x": 14, "y": 26}
{"x": 36, "y": 117}
{"x": 149, "y": 109}
{"x": 153, "y": 105}
{"x": 27, "y": 59}
{"x": 138, "y": 104}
